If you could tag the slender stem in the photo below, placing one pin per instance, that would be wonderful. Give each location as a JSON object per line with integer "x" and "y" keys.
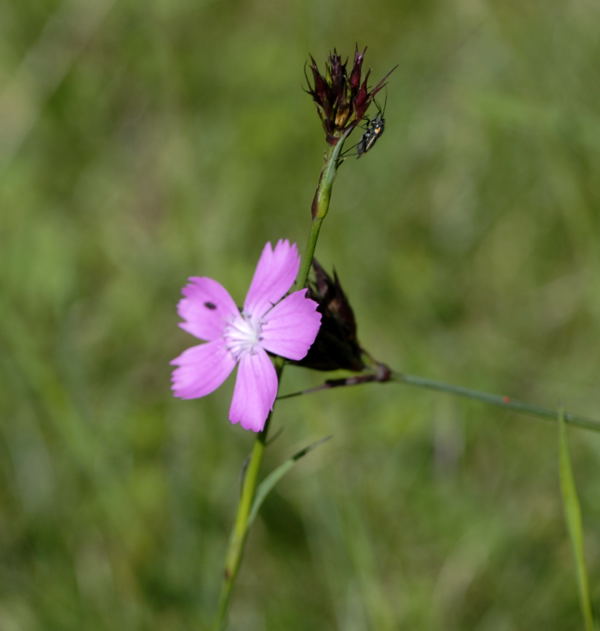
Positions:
{"x": 495, "y": 399}
{"x": 239, "y": 533}
{"x": 309, "y": 251}
{"x": 502, "y": 401}
{"x": 320, "y": 205}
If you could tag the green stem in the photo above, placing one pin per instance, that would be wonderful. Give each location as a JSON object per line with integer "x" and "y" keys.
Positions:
{"x": 386, "y": 375}
{"x": 494, "y": 399}
{"x": 239, "y": 533}
{"x": 320, "y": 206}
{"x": 309, "y": 251}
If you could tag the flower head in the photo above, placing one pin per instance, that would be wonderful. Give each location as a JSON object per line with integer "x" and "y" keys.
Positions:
{"x": 342, "y": 99}
{"x": 266, "y": 323}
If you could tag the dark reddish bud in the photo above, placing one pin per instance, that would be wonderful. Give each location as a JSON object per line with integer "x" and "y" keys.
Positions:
{"x": 356, "y": 69}
{"x": 362, "y": 99}
{"x": 320, "y": 91}
{"x": 336, "y": 346}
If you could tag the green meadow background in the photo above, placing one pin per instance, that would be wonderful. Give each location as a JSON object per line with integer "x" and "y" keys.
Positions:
{"x": 142, "y": 143}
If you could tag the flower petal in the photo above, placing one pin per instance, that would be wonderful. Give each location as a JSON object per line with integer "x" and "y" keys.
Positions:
{"x": 291, "y": 327}
{"x": 254, "y": 392}
{"x": 274, "y": 275}
{"x": 201, "y": 369}
{"x": 206, "y": 308}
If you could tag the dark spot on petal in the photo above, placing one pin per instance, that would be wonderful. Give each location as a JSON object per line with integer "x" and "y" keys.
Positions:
{"x": 210, "y": 305}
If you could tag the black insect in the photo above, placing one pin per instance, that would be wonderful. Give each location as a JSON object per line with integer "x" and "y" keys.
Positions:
{"x": 210, "y": 305}
{"x": 373, "y": 129}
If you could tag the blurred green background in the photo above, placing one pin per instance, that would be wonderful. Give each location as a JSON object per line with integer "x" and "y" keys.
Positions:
{"x": 141, "y": 143}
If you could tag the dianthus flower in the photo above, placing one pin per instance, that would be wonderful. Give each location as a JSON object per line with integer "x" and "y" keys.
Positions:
{"x": 266, "y": 323}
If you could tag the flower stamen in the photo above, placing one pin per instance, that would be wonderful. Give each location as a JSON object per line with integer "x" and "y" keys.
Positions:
{"x": 243, "y": 335}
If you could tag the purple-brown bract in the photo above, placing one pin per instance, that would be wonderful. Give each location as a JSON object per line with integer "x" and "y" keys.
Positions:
{"x": 285, "y": 327}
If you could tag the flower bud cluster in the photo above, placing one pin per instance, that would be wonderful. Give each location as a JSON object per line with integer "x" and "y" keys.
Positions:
{"x": 342, "y": 97}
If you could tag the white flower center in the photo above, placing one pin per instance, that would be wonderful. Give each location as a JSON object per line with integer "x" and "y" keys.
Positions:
{"x": 243, "y": 335}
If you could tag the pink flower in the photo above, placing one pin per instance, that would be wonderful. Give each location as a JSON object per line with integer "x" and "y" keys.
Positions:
{"x": 285, "y": 327}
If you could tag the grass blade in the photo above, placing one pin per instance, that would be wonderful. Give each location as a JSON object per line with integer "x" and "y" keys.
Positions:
{"x": 265, "y": 487}
{"x": 573, "y": 519}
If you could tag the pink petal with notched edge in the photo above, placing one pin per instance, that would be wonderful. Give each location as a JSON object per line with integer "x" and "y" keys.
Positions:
{"x": 274, "y": 275}
{"x": 290, "y": 328}
{"x": 206, "y": 308}
{"x": 254, "y": 392}
{"x": 201, "y": 369}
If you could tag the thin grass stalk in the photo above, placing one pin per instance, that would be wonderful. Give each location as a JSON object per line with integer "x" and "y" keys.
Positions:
{"x": 574, "y": 524}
